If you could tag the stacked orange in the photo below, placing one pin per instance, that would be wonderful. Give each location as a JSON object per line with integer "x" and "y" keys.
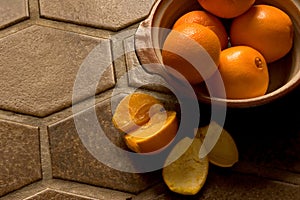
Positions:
{"x": 258, "y": 34}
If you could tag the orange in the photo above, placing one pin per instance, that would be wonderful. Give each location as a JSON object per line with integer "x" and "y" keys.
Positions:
{"x": 191, "y": 42}
{"x": 244, "y": 72}
{"x": 225, "y": 152}
{"x": 155, "y": 134}
{"x": 188, "y": 174}
{"x": 226, "y": 8}
{"x": 133, "y": 111}
{"x": 265, "y": 28}
{"x": 206, "y": 19}
{"x": 147, "y": 125}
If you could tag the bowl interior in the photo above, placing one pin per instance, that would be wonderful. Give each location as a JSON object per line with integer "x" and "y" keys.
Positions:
{"x": 284, "y": 73}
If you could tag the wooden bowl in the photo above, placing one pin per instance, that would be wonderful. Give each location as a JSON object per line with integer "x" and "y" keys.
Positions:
{"x": 151, "y": 33}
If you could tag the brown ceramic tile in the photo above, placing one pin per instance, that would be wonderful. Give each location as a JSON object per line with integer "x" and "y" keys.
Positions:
{"x": 223, "y": 184}
{"x": 58, "y": 189}
{"x": 19, "y": 156}
{"x": 55, "y": 195}
{"x": 39, "y": 65}
{"x": 12, "y": 11}
{"x": 137, "y": 76}
{"x": 87, "y": 190}
{"x": 112, "y": 15}
{"x": 72, "y": 158}
{"x": 26, "y": 191}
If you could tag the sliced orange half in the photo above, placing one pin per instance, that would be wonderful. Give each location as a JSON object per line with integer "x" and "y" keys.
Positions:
{"x": 133, "y": 111}
{"x": 157, "y": 133}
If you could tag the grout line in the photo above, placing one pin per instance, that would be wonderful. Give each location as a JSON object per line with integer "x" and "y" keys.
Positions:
{"x": 34, "y": 9}
{"x": 71, "y": 27}
{"x": 45, "y": 154}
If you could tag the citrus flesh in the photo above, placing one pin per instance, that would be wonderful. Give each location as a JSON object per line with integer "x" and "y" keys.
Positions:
{"x": 156, "y": 134}
{"x": 133, "y": 111}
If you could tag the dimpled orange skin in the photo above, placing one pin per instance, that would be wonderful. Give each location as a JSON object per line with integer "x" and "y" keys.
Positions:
{"x": 244, "y": 72}
{"x": 226, "y": 8}
{"x": 208, "y": 20}
{"x": 181, "y": 41}
{"x": 265, "y": 28}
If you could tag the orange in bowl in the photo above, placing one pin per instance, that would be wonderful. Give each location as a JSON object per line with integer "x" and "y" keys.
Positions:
{"x": 226, "y": 8}
{"x": 265, "y": 28}
{"x": 208, "y": 20}
{"x": 244, "y": 72}
{"x": 191, "y": 41}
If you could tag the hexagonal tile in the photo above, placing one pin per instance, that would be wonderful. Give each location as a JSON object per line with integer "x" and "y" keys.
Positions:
{"x": 79, "y": 151}
{"x": 13, "y": 11}
{"x": 39, "y": 67}
{"x": 19, "y": 156}
{"x": 112, "y": 14}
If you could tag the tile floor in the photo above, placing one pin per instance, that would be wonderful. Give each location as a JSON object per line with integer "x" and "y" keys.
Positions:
{"x": 66, "y": 63}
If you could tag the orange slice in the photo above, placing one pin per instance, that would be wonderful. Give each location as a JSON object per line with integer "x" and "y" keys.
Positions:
{"x": 188, "y": 173}
{"x": 133, "y": 111}
{"x": 157, "y": 133}
{"x": 225, "y": 152}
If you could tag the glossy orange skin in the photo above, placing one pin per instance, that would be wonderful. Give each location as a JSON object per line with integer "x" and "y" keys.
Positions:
{"x": 193, "y": 50}
{"x": 265, "y": 28}
{"x": 226, "y": 8}
{"x": 208, "y": 20}
{"x": 244, "y": 72}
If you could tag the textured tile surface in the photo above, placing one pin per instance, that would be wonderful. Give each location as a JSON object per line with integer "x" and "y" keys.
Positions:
{"x": 79, "y": 152}
{"x": 222, "y": 184}
{"x": 39, "y": 65}
{"x": 107, "y": 14}
{"x": 44, "y": 65}
{"x": 60, "y": 190}
{"x": 19, "y": 156}
{"x": 55, "y": 195}
{"x": 12, "y": 11}
{"x": 137, "y": 76}
{"x": 87, "y": 190}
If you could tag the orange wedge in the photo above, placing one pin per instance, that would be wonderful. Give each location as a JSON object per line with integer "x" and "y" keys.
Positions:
{"x": 188, "y": 173}
{"x": 133, "y": 111}
{"x": 225, "y": 152}
{"x": 157, "y": 133}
